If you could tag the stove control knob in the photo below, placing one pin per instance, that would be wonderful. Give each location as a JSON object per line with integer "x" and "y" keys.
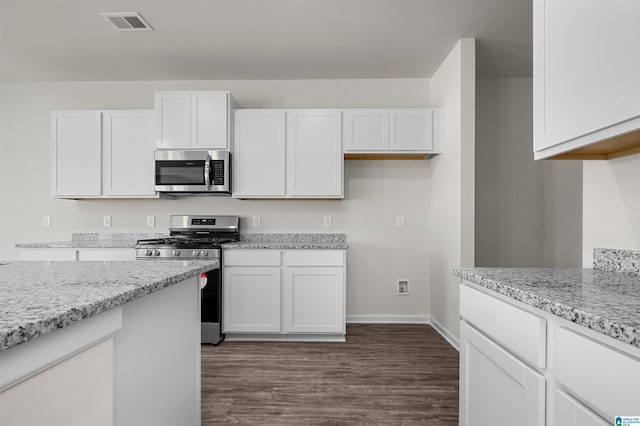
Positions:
{"x": 175, "y": 253}
{"x": 204, "y": 253}
{"x": 156, "y": 252}
{"x": 148, "y": 252}
{"x": 196, "y": 253}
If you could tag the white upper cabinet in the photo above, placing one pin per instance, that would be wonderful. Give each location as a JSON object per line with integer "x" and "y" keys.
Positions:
{"x": 288, "y": 154}
{"x": 128, "y": 153}
{"x": 196, "y": 120}
{"x": 259, "y": 153}
{"x": 586, "y": 78}
{"x": 314, "y": 153}
{"x": 102, "y": 154}
{"x": 76, "y": 153}
{"x": 391, "y": 131}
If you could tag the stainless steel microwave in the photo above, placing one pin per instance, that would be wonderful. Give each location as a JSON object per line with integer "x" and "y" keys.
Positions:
{"x": 190, "y": 172}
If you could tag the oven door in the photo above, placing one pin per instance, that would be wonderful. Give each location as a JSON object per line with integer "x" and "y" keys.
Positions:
{"x": 192, "y": 171}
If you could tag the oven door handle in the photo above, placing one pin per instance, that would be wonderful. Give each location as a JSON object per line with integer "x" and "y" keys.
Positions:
{"x": 207, "y": 172}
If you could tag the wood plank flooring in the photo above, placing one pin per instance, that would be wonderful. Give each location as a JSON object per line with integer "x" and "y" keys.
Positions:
{"x": 385, "y": 374}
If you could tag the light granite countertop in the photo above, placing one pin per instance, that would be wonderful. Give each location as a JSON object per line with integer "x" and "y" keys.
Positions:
{"x": 275, "y": 240}
{"x": 604, "y": 301}
{"x": 287, "y": 241}
{"x": 39, "y": 297}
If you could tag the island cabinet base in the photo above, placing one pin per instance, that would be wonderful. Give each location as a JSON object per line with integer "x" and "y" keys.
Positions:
{"x": 137, "y": 364}
{"x": 535, "y": 368}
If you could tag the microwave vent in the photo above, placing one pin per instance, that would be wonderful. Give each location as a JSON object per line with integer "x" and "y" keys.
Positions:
{"x": 127, "y": 21}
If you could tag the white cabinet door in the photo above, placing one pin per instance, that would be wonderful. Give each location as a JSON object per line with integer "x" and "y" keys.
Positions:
{"x": 569, "y": 412}
{"x": 173, "y": 119}
{"x": 128, "y": 153}
{"x": 314, "y": 153}
{"x": 494, "y": 385}
{"x": 365, "y": 130}
{"x": 192, "y": 119}
{"x": 411, "y": 129}
{"x": 586, "y": 73}
{"x": 210, "y": 120}
{"x": 313, "y": 300}
{"x": 259, "y": 153}
{"x": 76, "y": 153}
{"x": 251, "y": 300}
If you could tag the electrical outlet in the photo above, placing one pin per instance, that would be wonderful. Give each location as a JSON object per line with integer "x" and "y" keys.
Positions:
{"x": 400, "y": 221}
{"x": 257, "y": 222}
{"x": 328, "y": 221}
{"x": 403, "y": 287}
{"x": 106, "y": 221}
{"x": 151, "y": 221}
{"x": 46, "y": 221}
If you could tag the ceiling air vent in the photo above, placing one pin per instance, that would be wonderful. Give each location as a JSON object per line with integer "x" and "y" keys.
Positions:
{"x": 129, "y": 21}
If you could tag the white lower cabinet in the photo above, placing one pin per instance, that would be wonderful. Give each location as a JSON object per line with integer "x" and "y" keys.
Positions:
{"x": 251, "y": 300}
{"x": 313, "y": 300}
{"x": 284, "y": 294}
{"x": 569, "y": 412}
{"x": 495, "y": 385}
{"x": 583, "y": 378}
{"x": 49, "y": 254}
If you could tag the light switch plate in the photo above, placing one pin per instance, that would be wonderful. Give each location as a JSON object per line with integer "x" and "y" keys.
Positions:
{"x": 106, "y": 221}
{"x": 328, "y": 221}
{"x": 151, "y": 221}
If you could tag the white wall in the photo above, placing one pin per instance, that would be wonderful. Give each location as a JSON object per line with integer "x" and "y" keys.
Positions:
{"x": 528, "y": 213}
{"x": 611, "y": 205}
{"x": 375, "y": 192}
{"x": 451, "y": 226}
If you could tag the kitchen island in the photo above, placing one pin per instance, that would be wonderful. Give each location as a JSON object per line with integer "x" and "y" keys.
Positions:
{"x": 551, "y": 346}
{"x": 100, "y": 342}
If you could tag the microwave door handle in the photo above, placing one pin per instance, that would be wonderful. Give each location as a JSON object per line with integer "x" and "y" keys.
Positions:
{"x": 207, "y": 172}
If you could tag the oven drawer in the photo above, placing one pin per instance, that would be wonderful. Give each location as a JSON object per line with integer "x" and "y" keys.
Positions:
{"x": 252, "y": 258}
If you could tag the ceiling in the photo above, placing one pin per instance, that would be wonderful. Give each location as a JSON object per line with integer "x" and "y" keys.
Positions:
{"x": 259, "y": 39}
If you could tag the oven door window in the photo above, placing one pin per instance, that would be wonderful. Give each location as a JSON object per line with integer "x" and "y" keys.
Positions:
{"x": 188, "y": 172}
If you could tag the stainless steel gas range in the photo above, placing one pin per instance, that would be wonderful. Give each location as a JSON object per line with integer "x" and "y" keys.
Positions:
{"x": 197, "y": 237}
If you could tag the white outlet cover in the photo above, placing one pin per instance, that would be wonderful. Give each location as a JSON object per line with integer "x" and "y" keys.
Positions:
{"x": 257, "y": 221}
{"x": 151, "y": 221}
{"x": 328, "y": 221}
{"x": 400, "y": 223}
{"x": 106, "y": 221}
{"x": 46, "y": 221}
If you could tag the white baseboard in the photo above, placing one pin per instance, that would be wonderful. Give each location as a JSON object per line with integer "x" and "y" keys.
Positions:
{"x": 405, "y": 319}
{"x": 445, "y": 333}
{"x": 388, "y": 319}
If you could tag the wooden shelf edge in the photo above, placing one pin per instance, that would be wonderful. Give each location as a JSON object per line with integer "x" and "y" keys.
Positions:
{"x": 386, "y": 156}
{"x": 607, "y": 149}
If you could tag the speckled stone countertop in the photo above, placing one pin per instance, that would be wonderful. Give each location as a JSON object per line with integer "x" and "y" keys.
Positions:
{"x": 247, "y": 241}
{"x": 39, "y": 297}
{"x": 96, "y": 240}
{"x": 604, "y": 301}
{"x": 285, "y": 241}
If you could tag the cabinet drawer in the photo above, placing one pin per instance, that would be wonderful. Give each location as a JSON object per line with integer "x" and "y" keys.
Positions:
{"x": 107, "y": 254}
{"x": 521, "y": 332}
{"x": 569, "y": 412}
{"x": 314, "y": 258}
{"x": 600, "y": 375}
{"x": 251, "y": 258}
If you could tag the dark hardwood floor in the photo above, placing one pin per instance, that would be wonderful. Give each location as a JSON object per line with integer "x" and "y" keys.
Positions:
{"x": 385, "y": 374}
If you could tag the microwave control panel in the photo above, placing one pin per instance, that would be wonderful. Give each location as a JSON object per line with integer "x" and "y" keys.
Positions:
{"x": 217, "y": 175}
